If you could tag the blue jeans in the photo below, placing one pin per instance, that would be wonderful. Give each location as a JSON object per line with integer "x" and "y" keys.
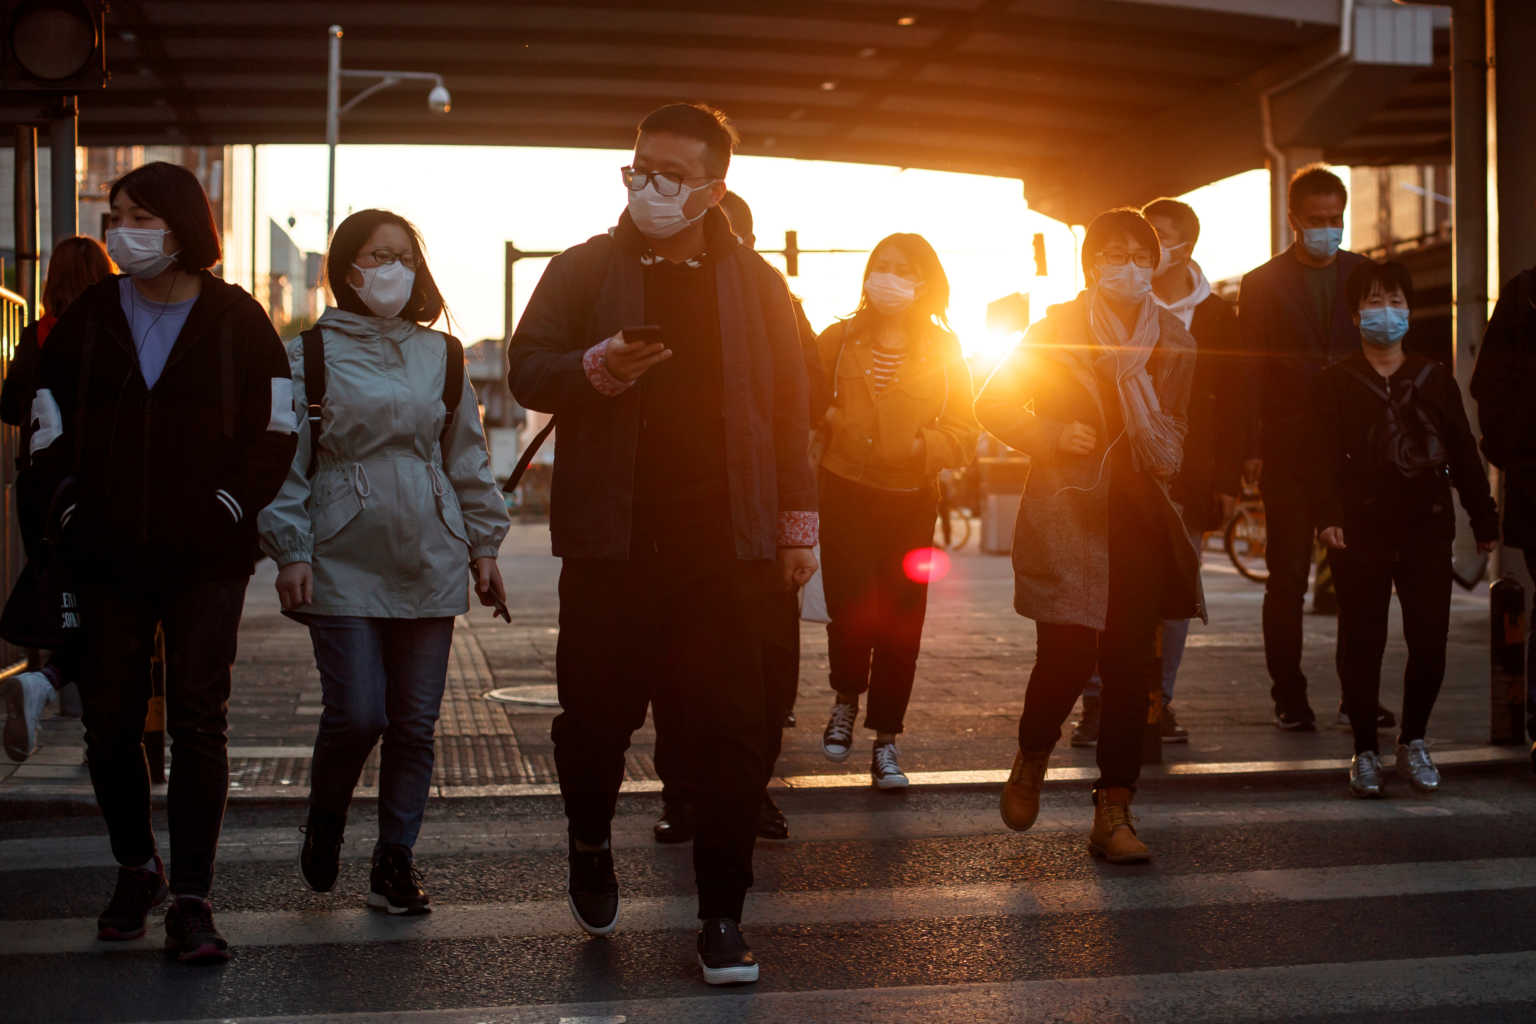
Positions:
{"x": 1175, "y": 636}
{"x": 379, "y": 677}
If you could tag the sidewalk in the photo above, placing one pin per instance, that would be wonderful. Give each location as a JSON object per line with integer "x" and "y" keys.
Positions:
{"x": 960, "y": 727}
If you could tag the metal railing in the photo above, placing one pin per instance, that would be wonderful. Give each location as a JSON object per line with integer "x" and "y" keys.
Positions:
{"x": 14, "y": 316}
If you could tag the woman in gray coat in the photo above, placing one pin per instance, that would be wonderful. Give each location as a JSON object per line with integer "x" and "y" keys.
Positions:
{"x": 387, "y": 509}
{"x": 1096, "y": 397}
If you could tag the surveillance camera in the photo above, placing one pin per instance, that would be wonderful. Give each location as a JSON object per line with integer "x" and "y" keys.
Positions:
{"x": 439, "y": 100}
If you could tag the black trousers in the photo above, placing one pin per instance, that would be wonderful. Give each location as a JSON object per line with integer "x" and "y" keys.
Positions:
{"x": 201, "y": 621}
{"x": 876, "y": 611}
{"x": 1125, "y": 653}
{"x": 780, "y": 611}
{"x": 685, "y": 640}
{"x": 1364, "y": 580}
{"x": 1290, "y": 523}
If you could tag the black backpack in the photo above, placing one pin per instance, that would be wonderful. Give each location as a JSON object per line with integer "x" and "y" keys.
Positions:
{"x": 314, "y": 388}
{"x": 1407, "y": 438}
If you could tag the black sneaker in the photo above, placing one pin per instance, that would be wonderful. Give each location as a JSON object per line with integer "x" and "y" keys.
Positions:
{"x": 675, "y": 824}
{"x": 320, "y": 859}
{"x": 790, "y": 721}
{"x": 190, "y": 935}
{"x": 594, "y": 890}
{"x": 724, "y": 954}
{"x": 771, "y": 823}
{"x": 139, "y": 890}
{"x": 1295, "y": 719}
{"x": 1384, "y": 718}
{"x": 395, "y": 884}
{"x": 1086, "y": 732}
{"x": 1172, "y": 731}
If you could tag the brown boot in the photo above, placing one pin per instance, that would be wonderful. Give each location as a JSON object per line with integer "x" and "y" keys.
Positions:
{"x": 1020, "y": 803}
{"x": 1113, "y": 836}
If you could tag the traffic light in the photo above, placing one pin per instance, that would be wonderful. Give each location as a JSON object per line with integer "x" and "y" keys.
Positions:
{"x": 1040, "y": 270}
{"x": 53, "y": 46}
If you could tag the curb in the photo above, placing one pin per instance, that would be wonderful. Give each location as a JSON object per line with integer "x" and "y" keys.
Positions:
{"x": 43, "y": 800}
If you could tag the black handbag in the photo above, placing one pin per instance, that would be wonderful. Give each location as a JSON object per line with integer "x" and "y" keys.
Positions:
{"x": 42, "y": 610}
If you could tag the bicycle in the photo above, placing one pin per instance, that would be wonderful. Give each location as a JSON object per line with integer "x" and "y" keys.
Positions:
{"x": 1245, "y": 537}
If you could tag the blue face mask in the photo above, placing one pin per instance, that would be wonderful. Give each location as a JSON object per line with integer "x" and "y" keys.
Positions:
{"x": 1128, "y": 282}
{"x": 1322, "y": 243}
{"x": 1384, "y": 326}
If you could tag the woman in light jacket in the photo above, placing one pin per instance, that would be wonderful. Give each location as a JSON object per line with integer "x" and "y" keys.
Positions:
{"x": 376, "y": 547}
{"x": 1096, "y": 396}
{"x": 900, "y": 412}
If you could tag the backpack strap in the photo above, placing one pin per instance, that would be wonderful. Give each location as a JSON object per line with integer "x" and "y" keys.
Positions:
{"x": 527, "y": 457}
{"x": 314, "y": 390}
{"x": 453, "y": 388}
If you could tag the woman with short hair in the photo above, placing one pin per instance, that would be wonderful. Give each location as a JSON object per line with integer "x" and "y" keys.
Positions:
{"x": 163, "y": 421}
{"x": 388, "y": 505}
{"x": 900, "y": 412}
{"x": 1096, "y": 395}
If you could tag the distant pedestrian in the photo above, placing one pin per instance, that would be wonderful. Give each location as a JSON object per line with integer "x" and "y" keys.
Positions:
{"x": 1096, "y": 396}
{"x": 900, "y": 411}
{"x": 1293, "y": 326}
{"x": 77, "y": 263}
{"x": 781, "y": 641}
{"x": 1391, "y": 439}
{"x": 1503, "y": 383}
{"x": 669, "y": 354}
{"x": 388, "y": 509}
{"x": 164, "y": 408}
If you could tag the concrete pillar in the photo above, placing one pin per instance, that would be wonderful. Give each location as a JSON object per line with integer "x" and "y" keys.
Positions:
{"x": 64, "y": 204}
{"x": 26, "y": 220}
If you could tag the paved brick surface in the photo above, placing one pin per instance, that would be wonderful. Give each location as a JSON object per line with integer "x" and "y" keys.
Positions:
{"x": 971, "y": 678}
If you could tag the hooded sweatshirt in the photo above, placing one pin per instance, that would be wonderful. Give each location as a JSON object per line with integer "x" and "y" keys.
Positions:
{"x": 1184, "y": 308}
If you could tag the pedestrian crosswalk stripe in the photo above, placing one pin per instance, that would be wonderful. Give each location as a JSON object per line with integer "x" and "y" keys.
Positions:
{"x": 1375, "y": 987}
{"x": 1040, "y": 898}
{"x": 1060, "y": 813}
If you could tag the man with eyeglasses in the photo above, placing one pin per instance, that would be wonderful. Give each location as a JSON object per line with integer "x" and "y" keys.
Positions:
{"x": 669, "y": 354}
{"x": 1292, "y": 327}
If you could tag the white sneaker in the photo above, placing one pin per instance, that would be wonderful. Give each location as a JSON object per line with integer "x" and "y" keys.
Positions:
{"x": 837, "y": 737}
{"x": 1365, "y": 774}
{"x": 27, "y": 696}
{"x": 884, "y": 770}
{"x": 1413, "y": 764}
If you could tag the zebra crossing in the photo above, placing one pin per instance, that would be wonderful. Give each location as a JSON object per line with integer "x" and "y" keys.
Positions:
{"x": 1268, "y": 899}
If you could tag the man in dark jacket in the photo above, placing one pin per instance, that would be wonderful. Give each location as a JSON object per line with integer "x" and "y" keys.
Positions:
{"x": 669, "y": 354}
{"x": 1292, "y": 327}
{"x": 1503, "y": 384}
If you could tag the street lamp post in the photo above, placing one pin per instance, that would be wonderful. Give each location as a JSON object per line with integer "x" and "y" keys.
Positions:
{"x": 438, "y": 101}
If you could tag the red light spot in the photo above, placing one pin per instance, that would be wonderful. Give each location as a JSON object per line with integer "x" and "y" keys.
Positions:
{"x": 925, "y": 565}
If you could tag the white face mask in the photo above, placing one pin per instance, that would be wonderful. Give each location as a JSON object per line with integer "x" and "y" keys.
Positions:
{"x": 659, "y": 216}
{"x": 890, "y": 293}
{"x": 385, "y": 288}
{"x": 139, "y": 252}
{"x": 1128, "y": 282}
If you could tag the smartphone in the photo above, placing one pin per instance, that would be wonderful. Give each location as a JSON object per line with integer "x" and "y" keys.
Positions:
{"x": 642, "y": 334}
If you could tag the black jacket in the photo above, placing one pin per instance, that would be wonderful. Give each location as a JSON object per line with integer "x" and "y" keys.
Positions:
{"x": 1212, "y": 448}
{"x": 1285, "y": 349}
{"x": 164, "y": 484}
{"x": 1504, "y": 386}
{"x": 1358, "y": 488}
{"x": 589, "y": 293}
{"x": 20, "y": 385}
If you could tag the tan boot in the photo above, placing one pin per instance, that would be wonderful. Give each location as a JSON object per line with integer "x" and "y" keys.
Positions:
{"x": 1020, "y": 803}
{"x": 1113, "y": 836}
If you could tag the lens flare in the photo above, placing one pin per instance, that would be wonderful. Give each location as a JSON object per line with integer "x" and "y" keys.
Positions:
{"x": 925, "y": 565}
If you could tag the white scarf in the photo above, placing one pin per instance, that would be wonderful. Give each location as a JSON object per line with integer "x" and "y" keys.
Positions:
{"x": 1157, "y": 439}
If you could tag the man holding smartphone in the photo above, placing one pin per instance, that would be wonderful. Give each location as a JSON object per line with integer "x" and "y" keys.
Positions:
{"x": 670, "y": 355}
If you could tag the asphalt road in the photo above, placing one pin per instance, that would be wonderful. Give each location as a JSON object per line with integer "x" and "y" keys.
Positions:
{"x": 1270, "y": 898}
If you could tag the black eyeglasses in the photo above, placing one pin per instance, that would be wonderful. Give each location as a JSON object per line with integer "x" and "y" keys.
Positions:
{"x": 667, "y": 184}
{"x": 384, "y": 257}
{"x": 1145, "y": 260}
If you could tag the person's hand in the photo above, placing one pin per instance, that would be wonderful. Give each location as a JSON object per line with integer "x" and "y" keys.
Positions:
{"x": 295, "y": 585}
{"x": 1228, "y": 506}
{"x": 796, "y": 567}
{"x": 1253, "y": 469}
{"x": 1485, "y": 547}
{"x": 1077, "y": 439}
{"x": 628, "y": 361}
{"x": 1333, "y": 536}
{"x": 488, "y": 586}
